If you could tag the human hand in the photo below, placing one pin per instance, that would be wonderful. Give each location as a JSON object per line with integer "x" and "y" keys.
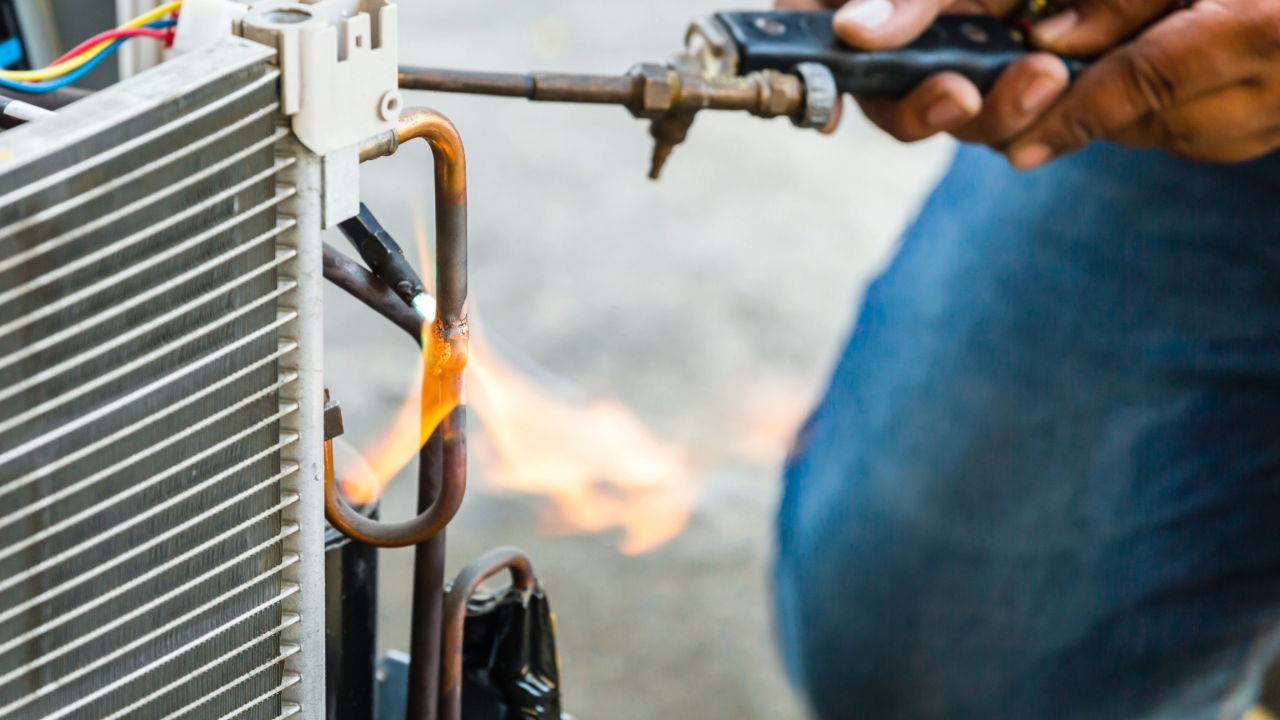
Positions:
{"x": 1203, "y": 83}
{"x": 946, "y": 102}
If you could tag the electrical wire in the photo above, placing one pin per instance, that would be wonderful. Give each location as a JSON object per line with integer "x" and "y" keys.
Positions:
{"x": 151, "y": 30}
{"x": 95, "y": 56}
{"x": 75, "y": 75}
{"x": 66, "y": 67}
{"x": 59, "y": 83}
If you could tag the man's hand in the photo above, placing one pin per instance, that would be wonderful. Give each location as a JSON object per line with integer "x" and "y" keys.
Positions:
{"x": 1203, "y": 82}
{"x": 946, "y": 102}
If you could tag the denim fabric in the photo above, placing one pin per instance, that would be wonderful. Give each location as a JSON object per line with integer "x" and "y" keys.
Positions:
{"x": 1045, "y": 480}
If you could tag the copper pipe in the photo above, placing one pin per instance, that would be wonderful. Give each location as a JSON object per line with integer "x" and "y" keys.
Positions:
{"x": 455, "y": 616}
{"x": 442, "y": 462}
{"x": 368, "y": 289}
{"x": 328, "y": 461}
{"x": 448, "y": 334}
{"x": 428, "y": 590}
{"x": 451, "y": 215}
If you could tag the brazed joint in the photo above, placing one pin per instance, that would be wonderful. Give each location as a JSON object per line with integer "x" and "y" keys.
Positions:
{"x": 450, "y": 349}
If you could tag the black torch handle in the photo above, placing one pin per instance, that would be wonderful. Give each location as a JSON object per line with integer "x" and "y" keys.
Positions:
{"x": 384, "y": 256}
{"x": 979, "y": 47}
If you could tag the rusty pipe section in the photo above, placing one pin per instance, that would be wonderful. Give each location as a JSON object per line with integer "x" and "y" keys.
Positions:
{"x": 368, "y": 289}
{"x": 455, "y": 616}
{"x": 445, "y": 340}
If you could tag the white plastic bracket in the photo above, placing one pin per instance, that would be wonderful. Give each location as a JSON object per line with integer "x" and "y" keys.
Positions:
{"x": 338, "y": 66}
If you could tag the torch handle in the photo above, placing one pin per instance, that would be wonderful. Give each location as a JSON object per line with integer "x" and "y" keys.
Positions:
{"x": 979, "y": 47}
{"x": 384, "y": 256}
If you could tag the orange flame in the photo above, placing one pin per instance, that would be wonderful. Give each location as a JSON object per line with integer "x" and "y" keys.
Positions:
{"x": 362, "y": 478}
{"x": 599, "y": 466}
{"x": 363, "y": 481}
{"x": 596, "y": 463}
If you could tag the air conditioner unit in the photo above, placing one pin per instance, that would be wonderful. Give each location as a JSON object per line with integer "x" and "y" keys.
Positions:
{"x": 161, "y": 433}
{"x": 165, "y": 471}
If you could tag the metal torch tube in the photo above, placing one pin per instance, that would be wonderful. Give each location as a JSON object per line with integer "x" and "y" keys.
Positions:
{"x": 539, "y": 87}
{"x": 467, "y": 81}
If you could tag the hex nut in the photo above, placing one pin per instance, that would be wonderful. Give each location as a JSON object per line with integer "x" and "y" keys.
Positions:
{"x": 657, "y": 91}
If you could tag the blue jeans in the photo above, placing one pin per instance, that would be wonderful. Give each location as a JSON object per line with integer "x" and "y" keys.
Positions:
{"x": 1045, "y": 480}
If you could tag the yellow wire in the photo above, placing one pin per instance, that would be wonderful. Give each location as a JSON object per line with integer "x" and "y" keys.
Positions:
{"x": 65, "y": 67}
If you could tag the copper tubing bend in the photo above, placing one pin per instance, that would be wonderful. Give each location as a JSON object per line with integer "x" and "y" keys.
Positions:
{"x": 455, "y": 615}
{"x": 449, "y": 331}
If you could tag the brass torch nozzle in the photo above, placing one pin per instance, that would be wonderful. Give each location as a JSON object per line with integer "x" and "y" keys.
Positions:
{"x": 669, "y": 96}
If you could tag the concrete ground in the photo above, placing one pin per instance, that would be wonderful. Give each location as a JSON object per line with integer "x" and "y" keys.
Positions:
{"x": 713, "y": 303}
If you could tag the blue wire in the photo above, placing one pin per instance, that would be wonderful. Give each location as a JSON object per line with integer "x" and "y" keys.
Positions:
{"x": 45, "y": 86}
{"x": 10, "y": 52}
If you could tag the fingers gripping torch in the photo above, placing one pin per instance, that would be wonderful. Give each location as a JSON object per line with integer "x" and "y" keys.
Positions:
{"x": 770, "y": 64}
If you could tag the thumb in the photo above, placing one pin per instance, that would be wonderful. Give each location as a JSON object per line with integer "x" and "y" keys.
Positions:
{"x": 1095, "y": 26}
{"x": 882, "y": 24}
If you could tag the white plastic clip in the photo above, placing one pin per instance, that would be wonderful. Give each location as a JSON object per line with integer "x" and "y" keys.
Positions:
{"x": 338, "y": 65}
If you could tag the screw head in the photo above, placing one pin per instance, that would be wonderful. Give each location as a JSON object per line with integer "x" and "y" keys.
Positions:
{"x": 389, "y": 106}
{"x": 770, "y": 26}
{"x": 974, "y": 33}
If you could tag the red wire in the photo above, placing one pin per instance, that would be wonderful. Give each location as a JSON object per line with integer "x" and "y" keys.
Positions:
{"x": 110, "y": 35}
{"x": 170, "y": 32}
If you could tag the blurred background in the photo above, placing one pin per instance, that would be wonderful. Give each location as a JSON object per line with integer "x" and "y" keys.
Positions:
{"x": 646, "y": 349}
{"x": 642, "y": 352}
